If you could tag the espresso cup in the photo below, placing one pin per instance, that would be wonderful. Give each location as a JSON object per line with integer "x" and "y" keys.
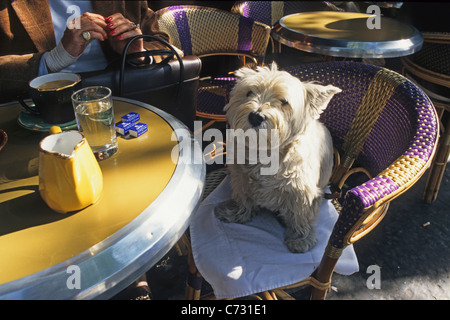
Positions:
{"x": 51, "y": 94}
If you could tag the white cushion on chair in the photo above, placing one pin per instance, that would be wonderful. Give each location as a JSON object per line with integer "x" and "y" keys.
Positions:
{"x": 241, "y": 259}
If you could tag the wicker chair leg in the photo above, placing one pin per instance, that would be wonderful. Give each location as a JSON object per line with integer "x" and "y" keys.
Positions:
{"x": 268, "y": 295}
{"x": 182, "y": 246}
{"x": 283, "y": 295}
{"x": 438, "y": 165}
{"x": 194, "y": 280}
{"x": 323, "y": 274}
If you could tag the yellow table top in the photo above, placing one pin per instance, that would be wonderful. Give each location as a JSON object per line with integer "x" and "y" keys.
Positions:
{"x": 346, "y": 26}
{"x": 32, "y": 236}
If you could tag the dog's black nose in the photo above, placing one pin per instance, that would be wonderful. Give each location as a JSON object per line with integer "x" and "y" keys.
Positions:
{"x": 256, "y": 118}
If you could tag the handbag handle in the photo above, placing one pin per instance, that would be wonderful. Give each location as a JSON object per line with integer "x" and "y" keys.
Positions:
{"x": 147, "y": 54}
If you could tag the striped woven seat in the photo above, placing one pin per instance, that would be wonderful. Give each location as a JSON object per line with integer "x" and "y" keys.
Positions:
{"x": 213, "y": 93}
{"x": 430, "y": 68}
{"x": 385, "y": 129}
{"x": 204, "y": 32}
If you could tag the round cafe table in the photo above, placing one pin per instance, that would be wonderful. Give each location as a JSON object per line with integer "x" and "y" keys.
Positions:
{"x": 151, "y": 188}
{"x": 346, "y": 34}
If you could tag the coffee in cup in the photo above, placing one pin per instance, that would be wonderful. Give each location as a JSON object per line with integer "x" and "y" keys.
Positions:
{"x": 51, "y": 94}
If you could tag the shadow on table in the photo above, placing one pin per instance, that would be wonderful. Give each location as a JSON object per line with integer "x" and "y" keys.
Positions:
{"x": 15, "y": 214}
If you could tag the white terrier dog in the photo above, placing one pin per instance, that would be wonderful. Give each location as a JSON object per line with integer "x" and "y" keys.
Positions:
{"x": 270, "y": 99}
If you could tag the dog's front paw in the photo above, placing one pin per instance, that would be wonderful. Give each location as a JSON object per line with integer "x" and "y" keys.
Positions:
{"x": 230, "y": 211}
{"x": 300, "y": 243}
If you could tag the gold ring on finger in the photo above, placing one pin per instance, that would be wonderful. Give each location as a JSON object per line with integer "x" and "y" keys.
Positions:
{"x": 86, "y": 35}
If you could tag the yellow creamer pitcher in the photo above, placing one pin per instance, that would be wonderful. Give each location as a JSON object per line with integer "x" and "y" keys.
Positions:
{"x": 70, "y": 177}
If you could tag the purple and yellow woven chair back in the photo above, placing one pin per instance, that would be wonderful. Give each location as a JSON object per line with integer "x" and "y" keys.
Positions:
{"x": 269, "y": 12}
{"x": 203, "y": 32}
{"x": 383, "y": 125}
{"x": 435, "y": 57}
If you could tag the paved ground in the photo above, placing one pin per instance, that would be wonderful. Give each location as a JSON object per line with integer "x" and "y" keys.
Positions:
{"x": 411, "y": 247}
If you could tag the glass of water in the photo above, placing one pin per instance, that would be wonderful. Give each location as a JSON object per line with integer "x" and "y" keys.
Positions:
{"x": 94, "y": 112}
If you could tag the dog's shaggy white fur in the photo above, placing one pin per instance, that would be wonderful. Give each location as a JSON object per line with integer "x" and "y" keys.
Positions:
{"x": 267, "y": 98}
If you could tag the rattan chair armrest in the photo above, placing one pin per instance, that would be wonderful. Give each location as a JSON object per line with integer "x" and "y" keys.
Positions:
{"x": 365, "y": 205}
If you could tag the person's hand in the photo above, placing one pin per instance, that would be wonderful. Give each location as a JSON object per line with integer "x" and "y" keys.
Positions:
{"x": 120, "y": 30}
{"x": 74, "y": 42}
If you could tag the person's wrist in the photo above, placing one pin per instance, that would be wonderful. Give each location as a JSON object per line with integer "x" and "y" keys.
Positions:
{"x": 58, "y": 58}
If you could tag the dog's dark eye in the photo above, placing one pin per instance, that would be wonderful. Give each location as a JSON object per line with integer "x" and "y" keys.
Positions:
{"x": 250, "y": 93}
{"x": 284, "y": 102}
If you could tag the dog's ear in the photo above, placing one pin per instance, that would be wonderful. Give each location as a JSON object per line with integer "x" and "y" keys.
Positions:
{"x": 318, "y": 96}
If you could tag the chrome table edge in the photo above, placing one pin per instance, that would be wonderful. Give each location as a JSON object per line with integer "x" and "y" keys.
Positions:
{"x": 347, "y": 48}
{"x": 114, "y": 263}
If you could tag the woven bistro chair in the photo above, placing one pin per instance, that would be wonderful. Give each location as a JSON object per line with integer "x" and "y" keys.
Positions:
{"x": 204, "y": 32}
{"x": 430, "y": 69}
{"x": 269, "y": 12}
{"x": 385, "y": 132}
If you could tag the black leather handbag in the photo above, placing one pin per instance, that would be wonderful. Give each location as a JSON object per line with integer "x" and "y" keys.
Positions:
{"x": 170, "y": 85}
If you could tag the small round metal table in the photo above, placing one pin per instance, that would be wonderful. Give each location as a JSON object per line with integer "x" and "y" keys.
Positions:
{"x": 346, "y": 34}
{"x": 152, "y": 185}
